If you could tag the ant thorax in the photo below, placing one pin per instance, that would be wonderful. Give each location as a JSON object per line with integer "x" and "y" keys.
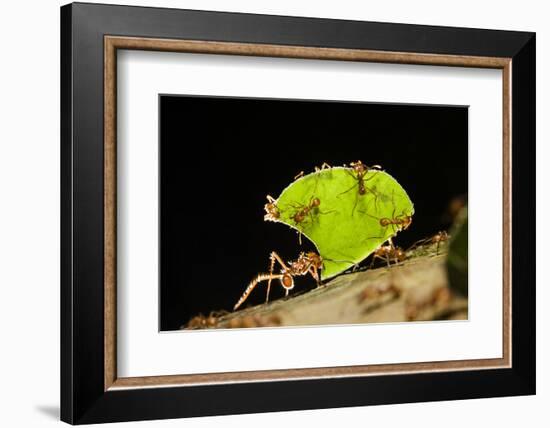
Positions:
{"x": 359, "y": 167}
{"x": 305, "y": 211}
{"x": 300, "y": 266}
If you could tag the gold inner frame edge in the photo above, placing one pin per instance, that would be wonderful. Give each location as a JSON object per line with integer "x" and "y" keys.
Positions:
{"x": 113, "y": 43}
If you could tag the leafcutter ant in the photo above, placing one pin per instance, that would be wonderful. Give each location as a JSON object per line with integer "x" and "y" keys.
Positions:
{"x": 438, "y": 238}
{"x": 307, "y": 211}
{"x": 306, "y": 263}
{"x": 271, "y": 210}
{"x": 388, "y": 253}
{"x": 358, "y": 171}
{"x": 201, "y": 321}
{"x": 323, "y": 166}
{"x": 397, "y": 222}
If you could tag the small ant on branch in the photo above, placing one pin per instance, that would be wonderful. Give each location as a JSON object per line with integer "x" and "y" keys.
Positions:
{"x": 388, "y": 253}
{"x": 202, "y": 321}
{"x": 437, "y": 239}
{"x": 391, "y": 252}
{"x": 306, "y": 263}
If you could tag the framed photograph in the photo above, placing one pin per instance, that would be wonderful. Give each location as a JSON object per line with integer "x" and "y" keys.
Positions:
{"x": 265, "y": 213}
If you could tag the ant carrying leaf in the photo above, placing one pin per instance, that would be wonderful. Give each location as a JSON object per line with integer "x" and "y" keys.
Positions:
{"x": 302, "y": 205}
{"x": 359, "y": 171}
{"x": 306, "y": 263}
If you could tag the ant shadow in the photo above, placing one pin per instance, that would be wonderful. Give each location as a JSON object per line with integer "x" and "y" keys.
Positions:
{"x": 49, "y": 410}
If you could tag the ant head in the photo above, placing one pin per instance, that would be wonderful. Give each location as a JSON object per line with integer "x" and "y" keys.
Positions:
{"x": 287, "y": 281}
{"x": 358, "y": 166}
{"x": 315, "y": 202}
{"x": 315, "y": 258}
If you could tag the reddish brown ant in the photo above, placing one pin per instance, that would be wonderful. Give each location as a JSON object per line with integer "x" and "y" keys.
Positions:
{"x": 201, "y": 321}
{"x": 323, "y": 166}
{"x": 271, "y": 210}
{"x": 398, "y": 223}
{"x": 358, "y": 171}
{"x": 437, "y": 239}
{"x": 402, "y": 222}
{"x": 306, "y": 263}
{"x": 306, "y": 210}
{"x": 389, "y": 253}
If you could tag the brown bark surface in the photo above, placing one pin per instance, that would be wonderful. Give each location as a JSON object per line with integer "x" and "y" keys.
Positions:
{"x": 415, "y": 290}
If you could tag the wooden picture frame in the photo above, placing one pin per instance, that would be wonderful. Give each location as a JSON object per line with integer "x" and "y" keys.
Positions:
{"x": 91, "y": 390}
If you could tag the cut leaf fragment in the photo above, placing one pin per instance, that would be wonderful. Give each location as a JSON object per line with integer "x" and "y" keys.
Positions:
{"x": 347, "y": 216}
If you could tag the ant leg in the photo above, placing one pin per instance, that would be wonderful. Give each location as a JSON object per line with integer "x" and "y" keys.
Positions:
{"x": 278, "y": 259}
{"x": 322, "y": 167}
{"x": 374, "y": 257}
{"x": 375, "y": 194}
{"x": 351, "y": 188}
{"x": 314, "y": 273}
{"x": 285, "y": 268}
{"x": 271, "y": 266}
{"x": 326, "y": 212}
{"x": 393, "y": 203}
{"x": 370, "y": 215}
{"x": 259, "y": 278}
{"x": 372, "y": 261}
{"x": 371, "y": 177}
{"x": 299, "y": 175}
{"x": 262, "y": 277}
{"x": 355, "y": 204}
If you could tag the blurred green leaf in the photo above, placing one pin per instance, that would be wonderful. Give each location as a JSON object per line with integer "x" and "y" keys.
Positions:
{"x": 457, "y": 260}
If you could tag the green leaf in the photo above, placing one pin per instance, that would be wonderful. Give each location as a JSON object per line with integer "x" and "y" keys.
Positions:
{"x": 346, "y": 226}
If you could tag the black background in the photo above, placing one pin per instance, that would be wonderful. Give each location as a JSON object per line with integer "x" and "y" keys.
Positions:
{"x": 221, "y": 156}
